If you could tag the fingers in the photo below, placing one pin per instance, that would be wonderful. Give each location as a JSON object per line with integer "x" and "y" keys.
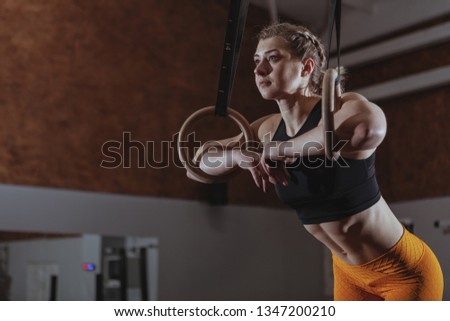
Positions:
{"x": 259, "y": 177}
{"x": 256, "y": 178}
{"x": 278, "y": 173}
{"x": 264, "y": 170}
{"x": 281, "y": 177}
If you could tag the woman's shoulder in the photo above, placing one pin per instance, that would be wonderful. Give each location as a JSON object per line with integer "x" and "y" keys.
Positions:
{"x": 266, "y": 125}
{"x": 356, "y": 103}
{"x": 348, "y": 96}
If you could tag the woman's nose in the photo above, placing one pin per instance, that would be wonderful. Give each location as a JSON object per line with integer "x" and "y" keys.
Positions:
{"x": 261, "y": 69}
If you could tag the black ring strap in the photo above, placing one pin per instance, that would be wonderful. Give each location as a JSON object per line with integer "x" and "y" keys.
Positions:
{"x": 334, "y": 17}
{"x": 235, "y": 29}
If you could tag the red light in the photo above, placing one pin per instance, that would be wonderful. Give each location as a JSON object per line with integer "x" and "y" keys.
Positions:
{"x": 88, "y": 266}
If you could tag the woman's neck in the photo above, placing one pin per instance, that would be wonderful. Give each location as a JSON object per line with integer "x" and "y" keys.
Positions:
{"x": 295, "y": 110}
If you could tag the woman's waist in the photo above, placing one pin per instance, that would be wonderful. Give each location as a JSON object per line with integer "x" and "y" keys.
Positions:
{"x": 362, "y": 236}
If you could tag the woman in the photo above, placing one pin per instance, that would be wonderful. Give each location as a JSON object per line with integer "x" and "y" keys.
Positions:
{"x": 339, "y": 202}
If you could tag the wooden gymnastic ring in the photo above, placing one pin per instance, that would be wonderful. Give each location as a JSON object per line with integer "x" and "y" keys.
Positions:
{"x": 330, "y": 103}
{"x": 187, "y": 128}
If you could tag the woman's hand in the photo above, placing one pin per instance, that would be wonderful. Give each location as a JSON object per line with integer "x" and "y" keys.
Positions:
{"x": 275, "y": 160}
{"x": 260, "y": 168}
{"x": 251, "y": 161}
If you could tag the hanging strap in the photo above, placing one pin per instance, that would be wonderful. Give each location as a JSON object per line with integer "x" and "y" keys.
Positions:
{"x": 235, "y": 29}
{"x": 334, "y": 17}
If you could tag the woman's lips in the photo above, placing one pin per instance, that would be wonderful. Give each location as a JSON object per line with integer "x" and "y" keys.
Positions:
{"x": 264, "y": 83}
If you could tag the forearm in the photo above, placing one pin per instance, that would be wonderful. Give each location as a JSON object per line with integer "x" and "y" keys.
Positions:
{"x": 359, "y": 126}
{"x": 217, "y": 163}
{"x": 311, "y": 143}
{"x": 349, "y": 137}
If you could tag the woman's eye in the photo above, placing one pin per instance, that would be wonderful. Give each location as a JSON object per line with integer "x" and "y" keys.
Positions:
{"x": 274, "y": 58}
{"x": 256, "y": 62}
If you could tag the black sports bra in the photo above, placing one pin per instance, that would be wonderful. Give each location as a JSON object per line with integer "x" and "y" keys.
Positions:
{"x": 321, "y": 190}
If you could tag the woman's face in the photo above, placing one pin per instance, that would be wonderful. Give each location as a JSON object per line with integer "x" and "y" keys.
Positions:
{"x": 278, "y": 74}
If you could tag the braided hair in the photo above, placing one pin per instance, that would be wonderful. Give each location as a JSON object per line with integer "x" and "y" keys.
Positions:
{"x": 304, "y": 44}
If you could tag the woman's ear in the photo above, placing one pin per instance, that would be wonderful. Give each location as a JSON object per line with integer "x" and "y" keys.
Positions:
{"x": 308, "y": 67}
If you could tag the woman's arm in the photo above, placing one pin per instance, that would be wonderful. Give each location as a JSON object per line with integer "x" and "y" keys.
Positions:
{"x": 218, "y": 158}
{"x": 360, "y": 126}
{"x": 224, "y": 156}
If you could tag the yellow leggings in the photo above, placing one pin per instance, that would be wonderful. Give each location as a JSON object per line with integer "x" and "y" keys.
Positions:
{"x": 408, "y": 271}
